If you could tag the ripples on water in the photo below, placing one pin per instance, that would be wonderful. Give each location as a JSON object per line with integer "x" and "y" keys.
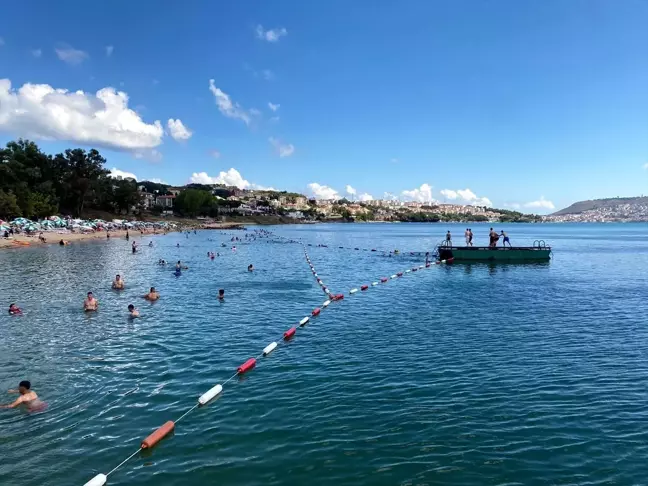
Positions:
{"x": 510, "y": 374}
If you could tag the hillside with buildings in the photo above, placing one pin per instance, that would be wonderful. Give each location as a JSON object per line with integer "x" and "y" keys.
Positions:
{"x": 223, "y": 202}
{"x": 618, "y": 209}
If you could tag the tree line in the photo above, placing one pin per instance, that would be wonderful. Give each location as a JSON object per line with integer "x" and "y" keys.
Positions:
{"x": 34, "y": 184}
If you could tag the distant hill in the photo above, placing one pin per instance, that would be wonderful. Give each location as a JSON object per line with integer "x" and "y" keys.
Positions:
{"x": 602, "y": 204}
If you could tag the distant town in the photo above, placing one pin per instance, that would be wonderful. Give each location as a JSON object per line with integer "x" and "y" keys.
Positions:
{"x": 224, "y": 202}
{"x": 611, "y": 210}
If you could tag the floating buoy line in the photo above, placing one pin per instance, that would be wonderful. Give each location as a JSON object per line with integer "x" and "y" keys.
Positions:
{"x": 164, "y": 430}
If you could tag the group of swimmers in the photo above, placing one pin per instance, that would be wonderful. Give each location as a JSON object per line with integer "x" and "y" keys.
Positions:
{"x": 493, "y": 237}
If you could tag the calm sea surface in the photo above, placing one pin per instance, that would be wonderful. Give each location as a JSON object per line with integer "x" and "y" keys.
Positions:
{"x": 456, "y": 375}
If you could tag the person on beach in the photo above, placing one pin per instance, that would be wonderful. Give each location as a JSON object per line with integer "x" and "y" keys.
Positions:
{"x": 90, "y": 304}
{"x": 250, "y": 268}
{"x": 493, "y": 237}
{"x": 221, "y": 294}
{"x": 118, "y": 283}
{"x": 14, "y": 310}
{"x": 127, "y": 236}
{"x": 27, "y": 397}
{"x": 152, "y": 294}
{"x": 506, "y": 239}
{"x": 132, "y": 312}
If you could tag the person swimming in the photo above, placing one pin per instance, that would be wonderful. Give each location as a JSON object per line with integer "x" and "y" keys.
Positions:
{"x": 132, "y": 311}
{"x": 250, "y": 268}
{"x": 90, "y": 304}
{"x": 150, "y": 244}
{"x": 134, "y": 246}
{"x": 152, "y": 294}
{"x": 27, "y": 397}
{"x": 118, "y": 283}
{"x": 221, "y": 294}
{"x": 161, "y": 261}
{"x": 14, "y": 310}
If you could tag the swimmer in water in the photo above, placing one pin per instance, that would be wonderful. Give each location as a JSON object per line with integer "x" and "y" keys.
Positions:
{"x": 134, "y": 246}
{"x": 118, "y": 283}
{"x": 132, "y": 311}
{"x": 150, "y": 244}
{"x": 27, "y": 397}
{"x": 178, "y": 245}
{"x": 221, "y": 294}
{"x": 14, "y": 310}
{"x": 90, "y": 304}
{"x": 180, "y": 266}
{"x": 152, "y": 294}
{"x": 250, "y": 268}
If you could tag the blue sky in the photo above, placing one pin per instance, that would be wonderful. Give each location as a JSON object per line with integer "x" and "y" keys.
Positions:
{"x": 522, "y": 103}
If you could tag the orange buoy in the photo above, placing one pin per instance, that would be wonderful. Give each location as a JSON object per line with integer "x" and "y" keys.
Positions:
{"x": 364, "y": 287}
{"x": 158, "y": 435}
{"x": 247, "y": 366}
{"x": 290, "y": 333}
{"x": 384, "y": 279}
{"x": 316, "y": 311}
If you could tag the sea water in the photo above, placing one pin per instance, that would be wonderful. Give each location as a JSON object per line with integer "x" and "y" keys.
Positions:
{"x": 456, "y": 375}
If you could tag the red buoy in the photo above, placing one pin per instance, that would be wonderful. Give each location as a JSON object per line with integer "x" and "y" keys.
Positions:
{"x": 290, "y": 333}
{"x": 427, "y": 265}
{"x": 339, "y": 297}
{"x": 399, "y": 274}
{"x": 364, "y": 287}
{"x": 316, "y": 312}
{"x": 158, "y": 435}
{"x": 450, "y": 260}
{"x": 247, "y": 366}
{"x": 319, "y": 281}
{"x": 384, "y": 279}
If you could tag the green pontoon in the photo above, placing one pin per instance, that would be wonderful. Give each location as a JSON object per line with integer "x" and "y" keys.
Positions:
{"x": 539, "y": 252}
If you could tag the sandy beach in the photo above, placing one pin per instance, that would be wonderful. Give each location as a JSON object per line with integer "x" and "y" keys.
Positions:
{"x": 53, "y": 237}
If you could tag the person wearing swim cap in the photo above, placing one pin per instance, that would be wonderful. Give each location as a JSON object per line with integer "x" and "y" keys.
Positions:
{"x": 221, "y": 294}
{"x": 250, "y": 268}
{"x": 118, "y": 283}
{"x": 90, "y": 304}
{"x": 27, "y": 397}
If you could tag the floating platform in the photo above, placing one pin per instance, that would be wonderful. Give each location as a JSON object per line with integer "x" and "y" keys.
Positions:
{"x": 515, "y": 254}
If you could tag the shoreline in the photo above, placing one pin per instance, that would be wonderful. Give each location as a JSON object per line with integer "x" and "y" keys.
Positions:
{"x": 54, "y": 237}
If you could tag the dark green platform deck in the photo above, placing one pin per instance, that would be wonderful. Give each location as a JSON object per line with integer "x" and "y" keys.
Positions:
{"x": 497, "y": 254}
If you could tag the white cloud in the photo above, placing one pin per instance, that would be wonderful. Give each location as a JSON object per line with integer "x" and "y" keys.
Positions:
{"x": 178, "y": 131}
{"x": 114, "y": 172}
{"x": 158, "y": 181}
{"x": 104, "y": 119}
{"x": 388, "y": 196}
{"x": 645, "y": 166}
{"x": 36, "y": 53}
{"x": 350, "y": 190}
{"x": 467, "y": 196}
{"x": 541, "y": 203}
{"x": 284, "y": 150}
{"x": 230, "y": 178}
{"x": 267, "y": 75}
{"x": 449, "y": 194}
{"x": 273, "y": 107}
{"x": 274, "y": 119}
{"x": 215, "y": 153}
{"x": 272, "y": 35}
{"x": 109, "y": 50}
{"x": 365, "y": 197}
{"x": 227, "y": 107}
{"x": 70, "y": 55}
{"x": 255, "y": 112}
{"x": 422, "y": 194}
{"x": 323, "y": 192}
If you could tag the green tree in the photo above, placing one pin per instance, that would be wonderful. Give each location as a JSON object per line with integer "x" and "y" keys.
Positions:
{"x": 195, "y": 202}
{"x": 9, "y": 208}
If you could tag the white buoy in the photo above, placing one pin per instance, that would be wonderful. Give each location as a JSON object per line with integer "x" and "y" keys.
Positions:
{"x": 393, "y": 276}
{"x": 209, "y": 395}
{"x": 326, "y": 303}
{"x": 304, "y": 321}
{"x": 443, "y": 261}
{"x": 373, "y": 284}
{"x": 421, "y": 267}
{"x": 315, "y": 274}
{"x": 269, "y": 349}
{"x": 407, "y": 271}
{"x": 98, "y": 480}
{"x": 353, "y": 291}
